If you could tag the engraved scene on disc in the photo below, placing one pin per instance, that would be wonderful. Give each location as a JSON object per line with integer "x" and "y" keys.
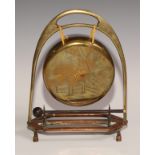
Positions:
{"x": 79, "y": 74}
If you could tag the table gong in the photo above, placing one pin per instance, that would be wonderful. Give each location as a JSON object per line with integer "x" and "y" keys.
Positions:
{"x": 78, "y": 71}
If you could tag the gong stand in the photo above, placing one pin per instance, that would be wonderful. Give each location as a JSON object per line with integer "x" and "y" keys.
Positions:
{"x": 77, "y": 121}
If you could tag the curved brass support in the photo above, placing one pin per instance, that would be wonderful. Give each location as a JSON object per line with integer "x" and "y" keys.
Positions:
{"x": 53, "y": 27}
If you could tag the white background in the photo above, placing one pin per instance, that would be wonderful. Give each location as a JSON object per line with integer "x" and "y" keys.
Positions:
{"x": 31, "y": 17}
{"x": 147, "y": 78}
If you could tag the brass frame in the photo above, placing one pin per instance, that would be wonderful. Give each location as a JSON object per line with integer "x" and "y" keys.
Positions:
{"x": 101, "y": 26}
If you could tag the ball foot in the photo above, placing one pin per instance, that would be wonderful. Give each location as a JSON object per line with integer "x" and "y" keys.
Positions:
{"x": 118, "y": 137}
{"x": 35, "y": 137}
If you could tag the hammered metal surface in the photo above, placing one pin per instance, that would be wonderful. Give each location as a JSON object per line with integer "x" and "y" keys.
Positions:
{"x": 78, "y": 73}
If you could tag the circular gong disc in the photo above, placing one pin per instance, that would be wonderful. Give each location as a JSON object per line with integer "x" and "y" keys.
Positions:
{"x": 79, "y": 72}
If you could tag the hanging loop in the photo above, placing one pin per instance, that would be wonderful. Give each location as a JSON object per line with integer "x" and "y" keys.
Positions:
{"x": 92, "y": 33}
{"x": 62, "y": 36}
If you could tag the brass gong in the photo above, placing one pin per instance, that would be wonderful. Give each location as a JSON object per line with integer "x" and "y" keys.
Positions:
{"x": 79, "y": 72}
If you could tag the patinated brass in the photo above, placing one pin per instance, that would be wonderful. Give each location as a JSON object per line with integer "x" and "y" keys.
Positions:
{"x": 79, "y": 72}
{"x": 102, "y": 26}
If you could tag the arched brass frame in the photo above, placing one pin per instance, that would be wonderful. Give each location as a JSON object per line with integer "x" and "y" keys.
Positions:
{"x": 102, "y": 26}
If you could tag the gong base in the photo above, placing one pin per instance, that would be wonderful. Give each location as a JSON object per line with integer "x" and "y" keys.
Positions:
{"x": 81, "y": 121}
